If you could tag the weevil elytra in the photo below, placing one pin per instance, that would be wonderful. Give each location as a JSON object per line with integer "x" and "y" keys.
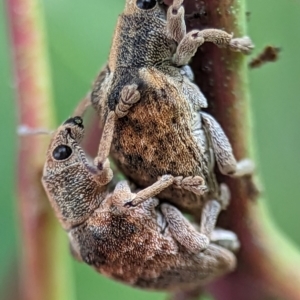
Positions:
{"x": 159, "y": 127}
{"x": 149, "y": 246}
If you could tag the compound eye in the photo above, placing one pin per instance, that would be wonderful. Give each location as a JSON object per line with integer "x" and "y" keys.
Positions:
{"x": 62, "y": 152}
{"x": 145, "y": 4}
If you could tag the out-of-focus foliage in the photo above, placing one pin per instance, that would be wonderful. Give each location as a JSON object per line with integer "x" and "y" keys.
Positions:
{"x": 79, "y": 36}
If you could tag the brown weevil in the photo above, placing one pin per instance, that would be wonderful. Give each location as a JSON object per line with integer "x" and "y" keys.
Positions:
{"x": 147, "y": 88}
{"x": 150, "y": 245}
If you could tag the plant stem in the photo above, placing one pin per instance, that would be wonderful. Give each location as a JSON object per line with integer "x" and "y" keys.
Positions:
{"x": 44, "y": 258}
{"x": 267, "y": 263}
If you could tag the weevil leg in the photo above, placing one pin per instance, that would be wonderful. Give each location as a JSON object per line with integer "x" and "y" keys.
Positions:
{"x": 188, "y": 47}
{"x": 101, "y": 168}
{"x": 194, "y": 184}
{"x": 188, "y": 43}
{"x": 195, "y": 38}
{"x": 244, "y": 167}
{"x": 122, "y": 195}
{"x": 211, "y": 210}
{"x": 183, "y": 230}
{"x": 176, "y": 27}
{"x": 99, "y": 89}
{"x": 223, "y": 150}
{"x": 103, "y": 176}
{"x": 106, "y": 140}
{"x": 151, "y": 191}
{"x": 129, "y": 96}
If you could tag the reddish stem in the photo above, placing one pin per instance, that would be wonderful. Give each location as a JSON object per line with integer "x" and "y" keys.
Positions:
{"x": 38, "y": 230}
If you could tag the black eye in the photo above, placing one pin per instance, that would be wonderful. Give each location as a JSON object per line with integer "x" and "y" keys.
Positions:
{"x": 145, "y": 4}
{"x": 62, "y": 152}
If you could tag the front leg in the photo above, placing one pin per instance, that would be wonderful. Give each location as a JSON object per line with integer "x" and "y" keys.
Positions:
{"x": 129, "y": 96}
{"x": 223, "y": 150}
{"x": 193, "y": 184}
{"x": 189, "y": 42}
{"x": 176, "y": 27}
{"x": 122, "y": 195}
{"x": 151, "y": 191}
{"x": 103, "y": 176}
{"x": 194, "y": 39}
{"x": 106, "y": 140}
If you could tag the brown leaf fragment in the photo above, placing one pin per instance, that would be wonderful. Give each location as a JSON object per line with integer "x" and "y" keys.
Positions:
{"x": 269, "y": 54}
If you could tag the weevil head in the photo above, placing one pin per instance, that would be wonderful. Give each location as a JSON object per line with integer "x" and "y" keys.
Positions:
{"x": 61, "y": 152}
{"x": 144, "y": 7}
{"x": 71, "y": 191}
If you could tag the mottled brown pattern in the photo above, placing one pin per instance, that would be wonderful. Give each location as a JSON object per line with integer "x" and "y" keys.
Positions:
{"x": 147, "y": 246}
{"x": 163, "y": 133}
{"x": 131, "y": 247}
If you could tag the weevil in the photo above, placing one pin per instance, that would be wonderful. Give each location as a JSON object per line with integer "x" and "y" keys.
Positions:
{"x": 147, "y": 88}
{"x": 149, "y": 246}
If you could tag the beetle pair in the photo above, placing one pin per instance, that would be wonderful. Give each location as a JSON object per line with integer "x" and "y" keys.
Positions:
{"x": 151, "y": 115}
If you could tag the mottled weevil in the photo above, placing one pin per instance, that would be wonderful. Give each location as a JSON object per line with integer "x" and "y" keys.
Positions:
{"x": 147, "y": 88}
{"x": 150, "y": 245}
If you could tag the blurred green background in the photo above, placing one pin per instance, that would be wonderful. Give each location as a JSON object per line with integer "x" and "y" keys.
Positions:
{"x": 79, "y": 36}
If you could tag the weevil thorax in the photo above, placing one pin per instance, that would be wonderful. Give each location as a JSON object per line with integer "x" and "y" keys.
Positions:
{"x": 140, "y": 37}
{"x": 72, "y": 192}
{"x": 140, "y": 41}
